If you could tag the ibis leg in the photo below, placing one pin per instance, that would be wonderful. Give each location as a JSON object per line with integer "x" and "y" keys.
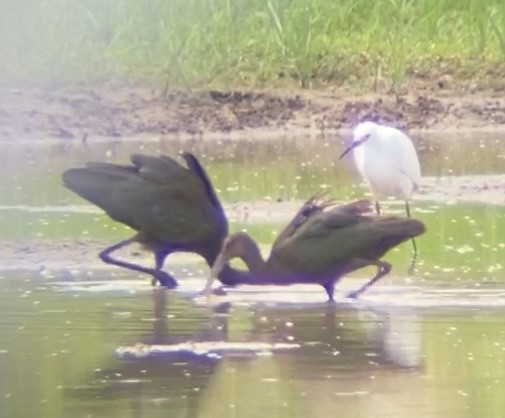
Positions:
{"x": 330, "y": 290}
{"x": 164, "y": 278}
{"x": 383, "y": 268}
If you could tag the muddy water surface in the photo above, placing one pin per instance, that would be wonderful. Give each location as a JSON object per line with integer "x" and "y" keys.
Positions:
{"x": 78, "y": 338}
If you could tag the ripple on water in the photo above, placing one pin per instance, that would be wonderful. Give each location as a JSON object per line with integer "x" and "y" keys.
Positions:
{"x": 382, "y": 296}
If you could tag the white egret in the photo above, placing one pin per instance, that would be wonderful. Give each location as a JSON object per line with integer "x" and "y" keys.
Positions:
{"x": 387, "y": 160}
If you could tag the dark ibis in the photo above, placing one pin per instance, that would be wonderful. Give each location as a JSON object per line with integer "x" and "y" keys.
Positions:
{"x": 173, "y": 208}
{"x": 322, "y": 243}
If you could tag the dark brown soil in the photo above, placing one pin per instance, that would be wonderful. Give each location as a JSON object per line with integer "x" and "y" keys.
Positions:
{"x": 86, "y": 112}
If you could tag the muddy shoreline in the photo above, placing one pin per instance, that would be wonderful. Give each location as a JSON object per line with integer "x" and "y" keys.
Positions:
{"x": 122, "y": 112}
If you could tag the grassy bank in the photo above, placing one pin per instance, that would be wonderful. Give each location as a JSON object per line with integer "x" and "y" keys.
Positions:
{"x": 252, "y": 42}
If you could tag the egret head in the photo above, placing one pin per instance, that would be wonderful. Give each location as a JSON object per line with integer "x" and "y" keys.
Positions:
{"x": 361, "y": 133}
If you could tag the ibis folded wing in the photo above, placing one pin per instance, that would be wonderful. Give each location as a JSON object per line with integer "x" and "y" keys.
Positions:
{"x": 330, "y": 239}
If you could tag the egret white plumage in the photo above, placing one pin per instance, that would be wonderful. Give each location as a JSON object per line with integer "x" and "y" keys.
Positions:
{"x": 387, "y": 160}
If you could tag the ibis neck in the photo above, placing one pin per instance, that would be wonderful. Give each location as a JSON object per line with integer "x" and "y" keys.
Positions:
{"x": 250, "y": 254}
{"x": 227, "y": 275}
{"x": 252, "y": 257}
{"x": 232, "y": 277}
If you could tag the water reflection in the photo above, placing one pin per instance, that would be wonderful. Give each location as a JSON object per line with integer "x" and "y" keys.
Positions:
{"x": 286, "y": 168}
{"x": 399, "y": 339}
{"x": 57, "y": 357}
{"x": 333, "y": 342}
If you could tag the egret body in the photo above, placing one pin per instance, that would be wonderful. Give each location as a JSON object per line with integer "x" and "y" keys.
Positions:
{"x": 387, "y": 160}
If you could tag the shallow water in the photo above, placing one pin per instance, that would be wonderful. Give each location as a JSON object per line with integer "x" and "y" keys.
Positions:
{"x": 62, "y": 353}
{"x": 78, "y": 338}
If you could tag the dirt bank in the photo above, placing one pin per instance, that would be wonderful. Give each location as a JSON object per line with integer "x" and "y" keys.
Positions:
{"x": 82, "y": 113}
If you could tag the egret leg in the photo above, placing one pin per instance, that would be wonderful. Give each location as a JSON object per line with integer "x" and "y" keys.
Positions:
{"x": 383, "y": 268}
{"x": 164, "y": 278}
{"x": 407, "y": 208}
{"x": 414, "y": 245}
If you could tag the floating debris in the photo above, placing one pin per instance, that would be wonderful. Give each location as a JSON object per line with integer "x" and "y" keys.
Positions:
{"x": 214, "y": 349}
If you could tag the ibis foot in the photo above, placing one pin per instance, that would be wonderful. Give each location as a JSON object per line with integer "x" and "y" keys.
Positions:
{"x": 164, "y": 279}
{"x": 329, "y": 288}
{"x": 220, "y": 291}
{"x": 354, "y": 294}
{"x": 222, "y": 308}
{"x": 383, "y": 268}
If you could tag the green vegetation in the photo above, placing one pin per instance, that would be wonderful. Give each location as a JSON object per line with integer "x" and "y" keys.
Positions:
{"x": 186, "y": 43}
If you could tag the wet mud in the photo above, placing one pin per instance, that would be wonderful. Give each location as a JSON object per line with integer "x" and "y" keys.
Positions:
{"x": 84, "y": 113}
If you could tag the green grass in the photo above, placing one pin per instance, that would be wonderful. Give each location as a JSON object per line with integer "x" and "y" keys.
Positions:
{"x": 191, "y": 43}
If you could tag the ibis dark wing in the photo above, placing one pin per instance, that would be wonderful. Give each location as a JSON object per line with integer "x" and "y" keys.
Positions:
{"x": 308, "y": 209}
{"x": 221, "y": 222}
{"x": 329, "y": 239}
{"x": 314, "y": 206}
{"x": 156, "y": 195}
